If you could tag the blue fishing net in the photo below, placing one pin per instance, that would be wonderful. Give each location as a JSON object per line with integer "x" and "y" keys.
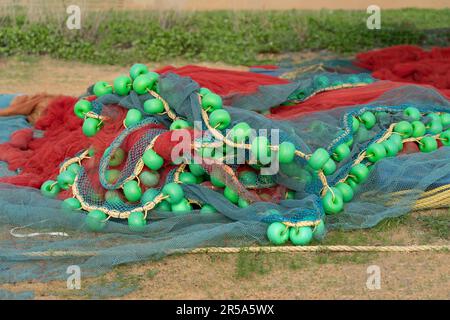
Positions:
{"x": 8, "y": 126}
{"x": 290, "y": 68}
{"x": 62, "y": 238}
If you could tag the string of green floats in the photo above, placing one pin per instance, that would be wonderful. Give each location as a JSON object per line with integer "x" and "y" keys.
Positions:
{"x": 172, "y": 198}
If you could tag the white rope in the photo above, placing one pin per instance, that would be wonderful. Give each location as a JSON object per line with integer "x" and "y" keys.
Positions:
{"x": 35, "y": 234}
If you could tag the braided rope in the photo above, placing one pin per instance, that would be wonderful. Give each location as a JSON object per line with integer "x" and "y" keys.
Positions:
{"x": 302, "y": 223}
{"x": 439, "y": 200}
{"x": 114, "y": 213}
{"x": 389, "y": 132}
{"x": 180, "y": 169}
{"x": 324, "y": 181}
{"x": 78, "y": 159}
{"x": 386, "y": 135}
{"x": 336, "y": 248}
{"x": 220, "y": 137}
{"x": 93, "y": 115}
{"x": 224, "y": 139}
{"x": 140, "y": 164}
{"x": 424, "y": 194}
{"x": 436, "y": 190}
{"x": 169, "y": 111}
{"x": 265, "y": 249}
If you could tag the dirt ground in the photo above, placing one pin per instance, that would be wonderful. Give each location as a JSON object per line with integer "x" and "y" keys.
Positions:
{"x": 246, "y": 275}
{"x": 280, "y": 5}
{"x": 32, "y": 75}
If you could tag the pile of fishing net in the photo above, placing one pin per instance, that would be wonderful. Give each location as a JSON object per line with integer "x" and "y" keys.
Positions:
{"x": 163, "y": 162}
{"x": 402, "y": 63}
{"x": 409, "y": 64}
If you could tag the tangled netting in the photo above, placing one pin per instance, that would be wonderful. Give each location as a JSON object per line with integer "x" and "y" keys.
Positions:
{"x": 409, "y": 64}
{"x": 402, "y": 63}
{"x": 326, "y": 151}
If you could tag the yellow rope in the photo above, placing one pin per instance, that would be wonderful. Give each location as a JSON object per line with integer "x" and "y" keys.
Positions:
{"x": 180, "y": 169}
{"x": 93, "y": 115}
{"x": 224, "y": 139}
{"x": 302, "y": 223}
{"x": 336, "y": 248}
{"x": 219, "y": 136}
{"x": 114, "y": 213}
{"x": 140, "y": 164}
{"x": 437, "y": 201}
{"x": 169, "y": 111}
{"x": 425, "y": 194}
{"x": 266, "y": 249}
{"x": 73, "y": 160}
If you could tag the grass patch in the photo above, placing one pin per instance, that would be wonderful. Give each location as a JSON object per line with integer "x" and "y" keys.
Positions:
{"x": 341, "y": 237}
{"x": 438, "y": 226}
{"x": 344, "y": 258}
{"x": 249, "y": 264}
{"x": 394, "y": 223}
{"x": 151, "y": 273}
{"x": 228, "y": 36}
{"x": 217, "y": 257}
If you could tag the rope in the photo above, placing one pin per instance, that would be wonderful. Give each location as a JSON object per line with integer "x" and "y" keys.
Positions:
{"x": 221, "y": 138}
{"x": 389, "y": 132}
{"x": 302, "y": 223}
{"x": 265, "y": 249}
{"x": 73, "y": 160}
{"x": 140, "y": 164}
{"x": 323, "y": 180}
{"x": 15, "y": 234}
{"x": 167, "y": 109}
{"x": 180, "y": 169}
{"x": 115, "y": 213}
{"x": 331, "y": 88}
{"x": 337, "y": 248}
{"x": 93, "y": 115}
{"x": 440, "y": 200}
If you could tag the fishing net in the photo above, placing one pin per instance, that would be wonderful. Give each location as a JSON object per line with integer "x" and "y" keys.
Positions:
{"x": 402, "y": 63}
{"x": 158, "y": 163}
{"x": 9, "y": 124}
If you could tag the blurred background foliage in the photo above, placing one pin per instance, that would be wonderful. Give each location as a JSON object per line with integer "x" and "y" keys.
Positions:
{"x": 234, "y": 37}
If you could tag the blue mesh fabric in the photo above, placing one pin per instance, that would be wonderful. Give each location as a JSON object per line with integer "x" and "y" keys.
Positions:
{"x": 166, "y": 232}
{"x": 8, "y": 126}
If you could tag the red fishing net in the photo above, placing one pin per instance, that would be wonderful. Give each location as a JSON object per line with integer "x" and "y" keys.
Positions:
{"x": 339, "y": 98}
{"x": 38, "y": 158}
{"x": 409, "y": 64}
{"x": 224, "y": 82}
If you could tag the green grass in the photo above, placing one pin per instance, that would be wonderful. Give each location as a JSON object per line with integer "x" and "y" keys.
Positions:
{"x": 249, "y": 264}
{"x": 393, "y": 223}
{"x": 231, "y": 37}
{"x": 152, "y": 273}
{"x": 423, "y": 229}
{"x": 438, "y": 226}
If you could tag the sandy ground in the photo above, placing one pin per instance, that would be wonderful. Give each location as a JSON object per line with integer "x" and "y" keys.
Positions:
{"x": 32, "y": 75}
{"x": 276, "y": 276}
{"x": 245, "y": 275}
{"x": 281, "y": 5}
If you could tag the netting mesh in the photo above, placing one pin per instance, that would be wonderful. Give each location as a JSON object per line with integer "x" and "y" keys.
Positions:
{"x": 392, "y": 189}
{"x": 9, "y": 124}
